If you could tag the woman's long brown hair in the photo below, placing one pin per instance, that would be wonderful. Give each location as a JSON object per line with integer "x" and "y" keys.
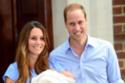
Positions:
{"x": 22, "y": 52}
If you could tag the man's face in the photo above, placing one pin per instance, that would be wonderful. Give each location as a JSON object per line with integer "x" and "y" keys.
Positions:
{"x": 76, "y": 24}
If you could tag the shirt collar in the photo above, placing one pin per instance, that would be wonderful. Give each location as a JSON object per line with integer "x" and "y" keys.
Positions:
{"x": 90, "y": 42}
{"x": 67, "y": 44}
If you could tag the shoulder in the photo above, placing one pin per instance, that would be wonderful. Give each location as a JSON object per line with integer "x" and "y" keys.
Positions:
{"x": 12, "y": 66}
{"x": 103, "y": 46}
{"x": 60, "y": 49}
{"x": 11, "y": 72}
{"x": 97, "y": 42}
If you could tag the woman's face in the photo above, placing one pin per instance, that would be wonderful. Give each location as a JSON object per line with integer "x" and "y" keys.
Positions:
{"x": 36, "y": 42}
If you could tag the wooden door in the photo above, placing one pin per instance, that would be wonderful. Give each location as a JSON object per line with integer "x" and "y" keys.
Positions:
{"x": 13, "y": 15}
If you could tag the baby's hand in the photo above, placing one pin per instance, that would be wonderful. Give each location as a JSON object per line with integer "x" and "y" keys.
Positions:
{"x": 68, "y": 74}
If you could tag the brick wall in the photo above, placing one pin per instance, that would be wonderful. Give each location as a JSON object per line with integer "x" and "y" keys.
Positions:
{"x": 119, "y": 32}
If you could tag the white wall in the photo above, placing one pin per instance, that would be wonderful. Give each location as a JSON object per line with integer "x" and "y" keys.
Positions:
{"x": 100, "y": 19}
{"x": 59, "y": 31}
{"x": 99, "y": 14}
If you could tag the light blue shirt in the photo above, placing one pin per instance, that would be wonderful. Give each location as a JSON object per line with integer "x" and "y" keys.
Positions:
{"x": 98, "y": 62}
{"x": 12, "y": 72}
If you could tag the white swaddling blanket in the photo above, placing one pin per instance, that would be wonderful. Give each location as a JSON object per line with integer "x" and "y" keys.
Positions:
{"x": 51, "y": 76}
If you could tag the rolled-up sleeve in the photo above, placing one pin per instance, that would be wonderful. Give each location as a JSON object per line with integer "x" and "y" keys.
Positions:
{"x": 11, "y": 72}
{"x": 113, "y": 68}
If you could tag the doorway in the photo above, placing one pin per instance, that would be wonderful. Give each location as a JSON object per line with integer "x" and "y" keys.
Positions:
{"x": 13, "y": 15}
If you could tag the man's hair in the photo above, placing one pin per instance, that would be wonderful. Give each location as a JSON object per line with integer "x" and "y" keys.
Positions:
{"x": 72, "y": 7}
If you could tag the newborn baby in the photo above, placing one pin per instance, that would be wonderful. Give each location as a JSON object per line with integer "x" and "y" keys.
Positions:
{"x": 51, "y": 76}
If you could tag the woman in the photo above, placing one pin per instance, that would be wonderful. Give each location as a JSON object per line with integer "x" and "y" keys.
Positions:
{"x": 31, "y": 54}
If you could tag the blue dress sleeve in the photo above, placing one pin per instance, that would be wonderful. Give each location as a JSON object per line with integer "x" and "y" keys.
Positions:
{"x": 11, "y": 72}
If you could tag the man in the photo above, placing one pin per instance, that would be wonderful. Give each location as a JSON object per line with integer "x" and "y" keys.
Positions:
{"x": 90, "y": 60}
